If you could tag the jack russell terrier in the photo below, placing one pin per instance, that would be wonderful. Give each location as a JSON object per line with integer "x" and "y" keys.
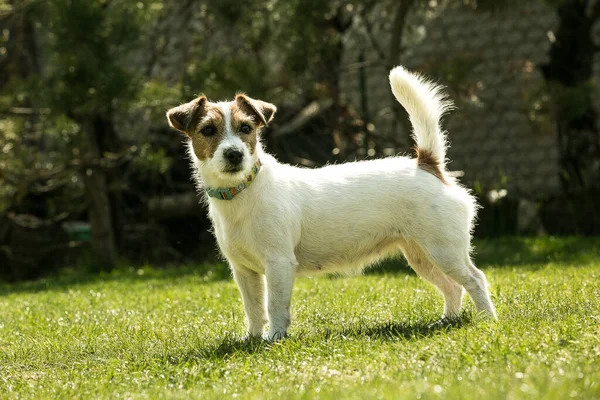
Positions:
{"x": 274, "y": 221}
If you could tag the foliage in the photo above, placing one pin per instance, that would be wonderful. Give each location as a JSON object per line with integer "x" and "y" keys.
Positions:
{"x": 71, "y": 68}
{"x": 84, "y": 75}
{"x": 274, "y": 47}
{"x": 146, "y": 333}
{"x": 85, "y": 72}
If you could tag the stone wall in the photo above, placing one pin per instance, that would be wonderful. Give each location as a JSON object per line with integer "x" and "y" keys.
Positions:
{"x": 501, "y": 137}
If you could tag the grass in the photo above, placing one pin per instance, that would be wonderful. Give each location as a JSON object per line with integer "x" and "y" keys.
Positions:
{"x": 175, "y": 334}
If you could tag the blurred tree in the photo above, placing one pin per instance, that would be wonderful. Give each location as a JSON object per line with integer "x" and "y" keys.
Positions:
{"x": 86, "y": 77}
{"x": 86, "y": 81}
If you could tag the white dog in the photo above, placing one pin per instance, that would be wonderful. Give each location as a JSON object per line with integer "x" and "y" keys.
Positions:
{"x": 274, "y": 221}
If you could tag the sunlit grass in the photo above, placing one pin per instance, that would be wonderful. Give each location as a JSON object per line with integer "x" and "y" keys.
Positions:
{"x": 175, "y": 334}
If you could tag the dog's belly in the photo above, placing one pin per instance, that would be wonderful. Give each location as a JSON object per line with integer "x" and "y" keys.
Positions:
{"x": 346, "y": 256}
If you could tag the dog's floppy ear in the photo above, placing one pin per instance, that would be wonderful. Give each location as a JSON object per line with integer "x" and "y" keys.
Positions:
{"x": 263, "y": 110}
{"x": 183, "y": 117}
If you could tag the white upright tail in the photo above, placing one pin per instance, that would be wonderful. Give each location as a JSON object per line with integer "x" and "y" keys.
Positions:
{"x": 425, "y": 103}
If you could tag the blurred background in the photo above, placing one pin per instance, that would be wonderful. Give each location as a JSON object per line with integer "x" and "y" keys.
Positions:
{"x": 91, "y": 175}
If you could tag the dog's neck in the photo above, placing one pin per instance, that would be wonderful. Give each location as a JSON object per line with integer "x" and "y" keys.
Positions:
{"x": 229, "y": 192}
{"x": 215, "y": 184}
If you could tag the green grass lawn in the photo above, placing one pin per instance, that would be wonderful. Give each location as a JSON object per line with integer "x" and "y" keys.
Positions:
{"x": 148, "y": 333}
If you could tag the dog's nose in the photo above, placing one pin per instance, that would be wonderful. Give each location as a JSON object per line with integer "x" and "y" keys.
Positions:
{"x": 233, "y": 156}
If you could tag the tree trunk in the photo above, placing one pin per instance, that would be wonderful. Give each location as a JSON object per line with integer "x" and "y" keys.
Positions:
{"x": 96, "y": 188}
{"x": 108, "y": 142}
{"x": 395, "y": 50}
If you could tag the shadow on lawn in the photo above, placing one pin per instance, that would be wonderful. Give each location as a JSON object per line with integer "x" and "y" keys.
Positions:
{"x": 523, "y": 252}
{"x": 69, "y": 278}
{"x": 387, "y": 331}
{"x": 391, "y": 330}
{"x": 527, "y": 253}
{"x": 229, "y": 347}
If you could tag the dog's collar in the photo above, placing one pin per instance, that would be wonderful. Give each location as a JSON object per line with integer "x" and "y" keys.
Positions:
{"x": 230, "y": 192}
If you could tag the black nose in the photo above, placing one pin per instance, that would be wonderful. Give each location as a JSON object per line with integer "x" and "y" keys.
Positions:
{"x": 233, "y": 156}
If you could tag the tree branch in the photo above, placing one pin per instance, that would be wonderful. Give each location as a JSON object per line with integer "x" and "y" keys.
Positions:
{"x": 398, "y": 31}
{"x": 372, "y": 41}
{"x": 304, "y": 117}
{"x": 33, "y": 222}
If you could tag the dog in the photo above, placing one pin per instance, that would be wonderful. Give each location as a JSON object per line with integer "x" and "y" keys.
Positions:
{"x": 274, "y": 222}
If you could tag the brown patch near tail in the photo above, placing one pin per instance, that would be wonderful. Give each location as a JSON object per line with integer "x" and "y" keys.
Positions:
{"x": 427, "y": 161}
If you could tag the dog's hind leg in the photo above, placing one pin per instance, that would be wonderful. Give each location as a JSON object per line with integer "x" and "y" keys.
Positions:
{"x": 478, "y": 289}
{"x": 252, "y": 288}
{"x": 451, "y": 290}
{"x": 454, "y": 260}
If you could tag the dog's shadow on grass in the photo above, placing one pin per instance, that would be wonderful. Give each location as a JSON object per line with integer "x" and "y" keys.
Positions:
{"x": 385, "y": 331}
{"x": 391, "y": 331}
{"x": 227, "y": 348}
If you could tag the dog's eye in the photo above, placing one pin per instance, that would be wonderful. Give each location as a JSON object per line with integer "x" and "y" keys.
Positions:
{"x": 208, "y": 131}
{"x": 245, "y": 128}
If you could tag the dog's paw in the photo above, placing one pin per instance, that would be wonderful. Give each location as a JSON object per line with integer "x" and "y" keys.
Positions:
{"x": 249, "y": 337}
{"x": 273, "y": 336}
{"x": 487, "y": 315}
{"x": 444, "y": 322}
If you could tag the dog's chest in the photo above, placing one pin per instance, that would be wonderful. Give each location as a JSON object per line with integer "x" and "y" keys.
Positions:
{"x": 237, "y": 242}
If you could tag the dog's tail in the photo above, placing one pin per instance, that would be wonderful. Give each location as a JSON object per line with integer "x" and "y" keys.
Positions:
{"x": 425, "y": 103}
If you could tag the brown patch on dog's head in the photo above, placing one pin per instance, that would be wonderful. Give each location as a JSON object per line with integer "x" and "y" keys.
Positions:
{"x": 261, "y": 109}
{"x": 427, "y": 161}
{"x": 208, "y": 132}
{"x": 203, "y": 122}
{"x": 184, "y": 117}
{"x": 248, "y": 118}
{"x": 241, "y": 119}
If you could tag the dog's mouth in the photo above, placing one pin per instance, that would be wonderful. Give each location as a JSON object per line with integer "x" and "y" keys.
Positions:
{"x": 232, "y": 170}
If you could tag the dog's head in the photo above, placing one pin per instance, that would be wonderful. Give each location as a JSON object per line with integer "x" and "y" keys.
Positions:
{"x": 224, "y": 135}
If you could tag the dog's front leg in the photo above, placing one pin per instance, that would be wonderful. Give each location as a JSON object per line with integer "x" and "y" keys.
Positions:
{"x": 252, "y": 288}
{"x": 280, "y": 281}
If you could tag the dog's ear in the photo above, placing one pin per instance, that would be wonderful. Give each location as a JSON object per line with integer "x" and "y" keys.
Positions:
{"x": 261, "y": 109}
{"x": 183, "y": 117}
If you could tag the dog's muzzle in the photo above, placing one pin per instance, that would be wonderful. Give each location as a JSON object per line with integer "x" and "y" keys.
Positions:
{"x": 234, "y": 158}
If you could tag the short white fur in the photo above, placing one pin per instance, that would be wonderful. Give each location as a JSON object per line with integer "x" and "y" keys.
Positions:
{"x": 295, "y": 221}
